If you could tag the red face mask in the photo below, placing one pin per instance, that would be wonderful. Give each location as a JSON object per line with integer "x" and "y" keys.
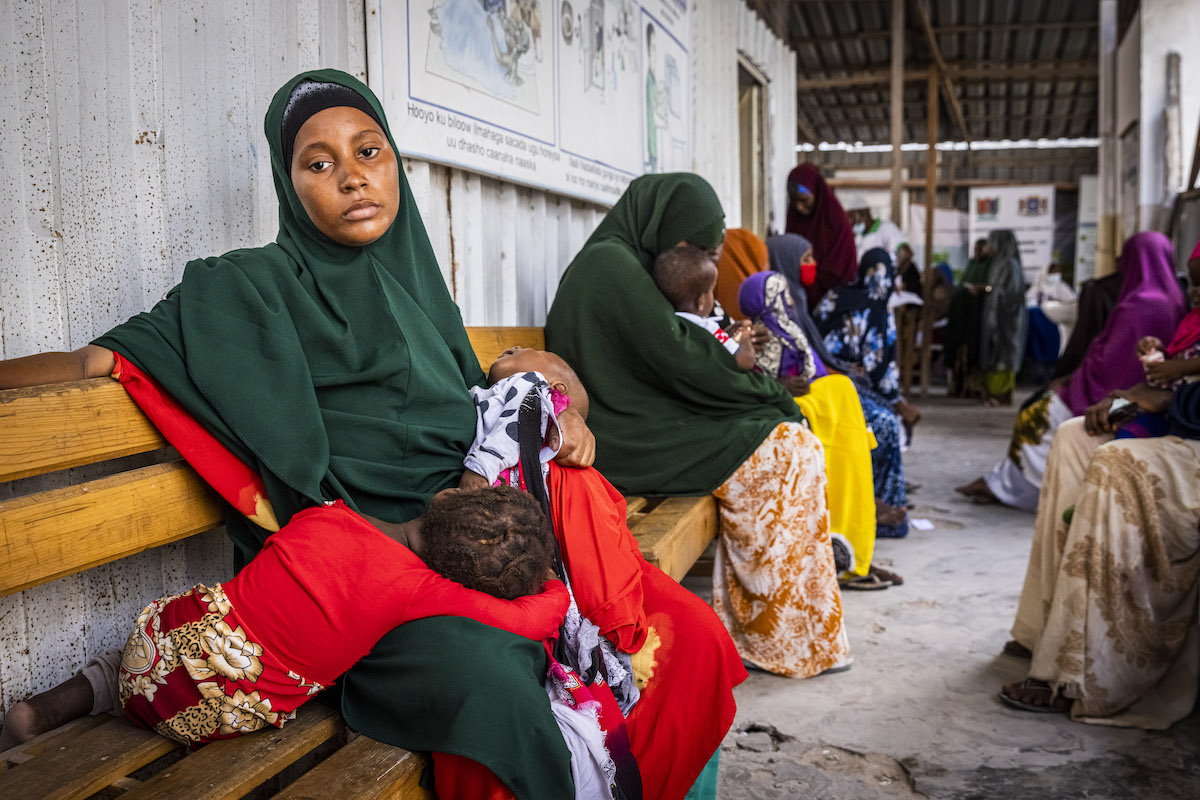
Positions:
{"x": 808, "y": 273}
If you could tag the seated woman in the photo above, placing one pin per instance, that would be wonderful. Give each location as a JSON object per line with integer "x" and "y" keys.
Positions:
{"x": 676, "y": 416}
{"x": 788, "y": 255}
{"x": 1151, "y": 304}
{"x": 1108, "y": 610}
{"x": 859, "y": 329}
{"x": 834, "y": 414}
{"x": 316, "y": 598}
{"x": 334, "y": 362}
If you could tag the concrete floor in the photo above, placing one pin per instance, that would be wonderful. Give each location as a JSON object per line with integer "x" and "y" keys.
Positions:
{"x": 917, "y": 715}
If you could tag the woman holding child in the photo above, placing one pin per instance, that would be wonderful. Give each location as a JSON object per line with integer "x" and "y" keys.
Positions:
{"x": 334, "y": 363}
{"x": 675, "y": 415}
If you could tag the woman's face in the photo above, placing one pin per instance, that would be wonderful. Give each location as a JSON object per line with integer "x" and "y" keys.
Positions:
{"x": 802, "y": 200}
{"x": 346, "y": 176}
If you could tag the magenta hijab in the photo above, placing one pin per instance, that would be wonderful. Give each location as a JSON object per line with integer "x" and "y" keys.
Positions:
{"x": 1150, "y": 304}
{"x": 829, "y": 231}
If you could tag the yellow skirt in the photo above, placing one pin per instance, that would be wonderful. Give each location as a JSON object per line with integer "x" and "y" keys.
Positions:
{"x": 835, "y": 416}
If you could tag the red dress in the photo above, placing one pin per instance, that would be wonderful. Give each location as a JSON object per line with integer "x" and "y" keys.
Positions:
{"x": 219, "y": 662}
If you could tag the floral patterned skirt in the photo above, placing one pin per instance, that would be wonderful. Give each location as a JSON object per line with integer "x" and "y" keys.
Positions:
{"x": 192, "y": 672}
{"x": 774, "y": 582}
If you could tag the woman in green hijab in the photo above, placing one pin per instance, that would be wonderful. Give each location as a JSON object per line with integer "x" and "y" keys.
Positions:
{"x": 673, "y": 414}
{"x": 334, "y": 362}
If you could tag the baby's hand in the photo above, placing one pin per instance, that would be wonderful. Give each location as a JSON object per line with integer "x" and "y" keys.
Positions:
{"x": 471, "y": 481}
{"x": 738, "y": 329}
{"x": 745, "y": 356}
{"x": 1147, "y": 345}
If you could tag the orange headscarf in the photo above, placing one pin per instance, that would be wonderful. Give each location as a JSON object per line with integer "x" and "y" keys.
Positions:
{"x": 744, "y": 255}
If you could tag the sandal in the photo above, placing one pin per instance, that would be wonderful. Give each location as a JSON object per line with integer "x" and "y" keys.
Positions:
{"x": 886, "y": 575}
{"x": 1057, "y": 704}
{"x": 864, "y": 583}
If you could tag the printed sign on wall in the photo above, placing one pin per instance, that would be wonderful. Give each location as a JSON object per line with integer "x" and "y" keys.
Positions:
{"x": 1028, "y": 211}
{"x": 574, "y": 96}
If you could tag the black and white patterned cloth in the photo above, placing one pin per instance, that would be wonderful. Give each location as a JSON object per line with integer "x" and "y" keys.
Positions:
{"x": 495, "y": 448}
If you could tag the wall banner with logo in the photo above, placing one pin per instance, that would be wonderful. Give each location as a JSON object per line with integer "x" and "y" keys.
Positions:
{"x": 1028, "y": 211}
{"x": 575, "y": 96}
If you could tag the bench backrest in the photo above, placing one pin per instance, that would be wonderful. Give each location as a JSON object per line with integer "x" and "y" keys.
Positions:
{"x": 56, "y": 532}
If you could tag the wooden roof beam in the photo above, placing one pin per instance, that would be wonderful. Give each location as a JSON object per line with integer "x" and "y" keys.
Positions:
{"x": 947, "y": 30}
{"x": 942, "y": 75}
{"x": 1046, "y": 70}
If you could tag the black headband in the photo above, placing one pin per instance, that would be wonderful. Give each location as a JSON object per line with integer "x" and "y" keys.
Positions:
{"x": 313, "y": 97}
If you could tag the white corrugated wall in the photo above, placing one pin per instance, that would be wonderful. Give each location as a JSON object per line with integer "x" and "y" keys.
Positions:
{"x": 131, "y": 140}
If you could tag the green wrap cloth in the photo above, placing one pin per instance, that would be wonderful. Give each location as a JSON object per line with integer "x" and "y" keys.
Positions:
{"x": 343, "y": 372}
{"x": 671, "y": 411}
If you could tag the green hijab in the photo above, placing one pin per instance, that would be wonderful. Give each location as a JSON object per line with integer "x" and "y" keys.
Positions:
{"x": 343, "y": 372}
{"x": 671, "y": 411}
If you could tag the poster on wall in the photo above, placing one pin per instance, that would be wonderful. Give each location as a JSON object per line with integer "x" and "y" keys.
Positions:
{"x": 576, "y": 97}
{"x": 1088, "y": 228}
{"x": 1028, "y": 211}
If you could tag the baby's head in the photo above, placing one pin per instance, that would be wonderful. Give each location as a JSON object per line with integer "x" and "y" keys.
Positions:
{"x": 687, "y": 277}
{"x": 558, "y": 373}
{"x": 495, "y": 540}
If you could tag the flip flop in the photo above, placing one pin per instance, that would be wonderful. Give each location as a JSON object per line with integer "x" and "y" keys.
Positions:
{"x": 864, "y": 583}
{"x": 886, "y": 575}
{"x": 1033, "y": 683}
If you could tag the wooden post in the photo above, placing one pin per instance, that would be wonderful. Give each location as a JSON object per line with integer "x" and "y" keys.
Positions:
{"x": 927, "y": 320}
{"x": 897, "y": 101}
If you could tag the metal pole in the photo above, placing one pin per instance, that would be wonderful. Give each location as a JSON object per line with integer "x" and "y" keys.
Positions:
{"x": 897, "y": 101}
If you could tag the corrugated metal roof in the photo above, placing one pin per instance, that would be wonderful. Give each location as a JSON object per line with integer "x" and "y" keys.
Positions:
{"x": 1020, "y": 68}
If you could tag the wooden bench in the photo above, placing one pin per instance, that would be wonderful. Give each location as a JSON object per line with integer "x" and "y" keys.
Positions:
{"x": 50, "y": 533}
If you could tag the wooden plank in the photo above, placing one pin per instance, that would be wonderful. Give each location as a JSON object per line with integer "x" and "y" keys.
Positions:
{"x": 633, "y": 505}
{"x": 61, "y": 425}
{"x": 228, "y": 769}
{"x": 896, "y": 105}
{"x": 85, "y": 764}
{"x": 63, "y": 531}
{"x": 676, "y": 532}
{"x": 364, "y": 770}
{"x": 50, "y": 740}
{"x": 491, "y": 342}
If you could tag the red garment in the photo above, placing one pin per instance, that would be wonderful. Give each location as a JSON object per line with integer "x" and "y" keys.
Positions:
{"x": 687, "y": 706}
{"x": 239, "y": 485}
{"x": 602, "y": 557}
{"x": 329, "y": 585}
{"x": 829, "y": 231}
{"x": 1187, "y": 334}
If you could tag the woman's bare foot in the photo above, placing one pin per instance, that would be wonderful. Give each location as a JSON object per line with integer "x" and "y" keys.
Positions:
{"x": 889, "y": 516}
{"x": 1034, "y": 695}
{"x": 978, "y": 491}
{"x": 1014, "y": 648}
{"x": 46, "y": 711}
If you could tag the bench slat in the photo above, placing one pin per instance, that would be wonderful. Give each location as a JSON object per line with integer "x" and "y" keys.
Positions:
{"x": 676, "y": 532}
{"x": 227, "y": 770}
{"x": 365, "y": 770}
{"x": 86, "y": 763}
{"x": 60, "y": 532}
{"x": 48, "y": 428}
{"x": 491, "y": 342}
{"x": 633, "y": 505}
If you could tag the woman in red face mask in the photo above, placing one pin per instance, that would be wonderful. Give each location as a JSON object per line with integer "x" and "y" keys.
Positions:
{"x": 815, "y": 213}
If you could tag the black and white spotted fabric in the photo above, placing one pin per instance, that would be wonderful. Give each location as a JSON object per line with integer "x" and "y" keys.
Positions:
{"x": 495, "y": 448}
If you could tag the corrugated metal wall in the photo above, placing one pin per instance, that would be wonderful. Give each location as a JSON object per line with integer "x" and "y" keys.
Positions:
{"x": 131, "y": 135}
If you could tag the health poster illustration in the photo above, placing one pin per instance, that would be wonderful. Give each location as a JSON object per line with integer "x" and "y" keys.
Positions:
{"x": 575, "y": 96}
